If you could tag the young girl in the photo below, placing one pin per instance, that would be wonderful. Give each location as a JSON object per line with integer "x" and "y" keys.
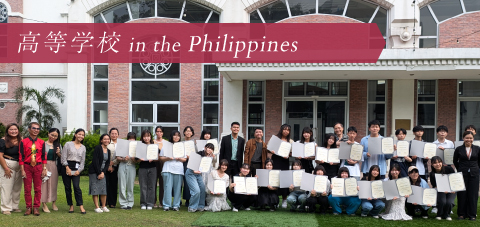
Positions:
{"x": 416, "y": 180}
{"x": 297, "y": 196}
{"x": 159, "y": 166}
{"x": 331, "y": 168}
{"x": 445, "y": 200}
{"x": 351, "y": 202}
{"x": 282, "y": 163}
{"x": 172, "y": 174}
{"x": 267, "y": 196}
{"x": 206, "y": 134}
{"x": 188, "y": 133}
{"x": 395, "y": 209}
{"x": 147, "y": 175}
{"x": 195, "y": 182}
{"x": 126, "y": 177}
{"x": 218, "y": 202}
{"x": 320, "y": 198}
{"x": 10, "y": 174}
{"x": 307, "y": 162}
{"x": 96, "y": 172}
{"x": 49, "y": 187}
{"x": 372, "y": 206}
{"x": 240, "y": 200}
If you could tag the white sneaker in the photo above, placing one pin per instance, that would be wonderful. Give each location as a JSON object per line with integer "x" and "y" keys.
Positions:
{"x": 438, "y": 218}
{"x": 105, "y": 209}
{"x": 248, "y": 208}
{"x": 363, "y": 215}
{"x": 284, "y": 204}
{"x": 434, "y": 210}
{"x": 98, "y": 210}
{"x": 149, "y": 208}
{"x": 235, "y": 209}
{"x": 448, "y": 218}
{"x": 376, "y": 216}
{"x": 143, "y": 207}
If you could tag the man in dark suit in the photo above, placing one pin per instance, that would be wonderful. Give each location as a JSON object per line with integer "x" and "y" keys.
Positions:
{"x": 232, "y": 148}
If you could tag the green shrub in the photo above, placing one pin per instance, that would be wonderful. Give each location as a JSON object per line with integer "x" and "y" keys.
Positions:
{"x": 2, "y": 130}
{"x": 90, "y": 141}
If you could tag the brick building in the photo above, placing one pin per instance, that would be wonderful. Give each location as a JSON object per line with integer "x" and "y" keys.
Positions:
{"x": 428, "y": 73}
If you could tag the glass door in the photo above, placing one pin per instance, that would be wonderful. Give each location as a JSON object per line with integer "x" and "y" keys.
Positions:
{"x": 299, "y": 114}
{"x": 328, "y": 113}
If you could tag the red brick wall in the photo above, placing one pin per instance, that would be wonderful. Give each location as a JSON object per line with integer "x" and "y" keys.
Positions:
{"x": 191, "y": 97}
{"x": 389, "y": 108}
{"x": 118, "y": 89}
{"x": 447, "y": 106}
{"x": 358, "y": 107}
{"x": 273, "y": 108}
{"x": 16, "y": 5}
{"x": 462, "y": 26}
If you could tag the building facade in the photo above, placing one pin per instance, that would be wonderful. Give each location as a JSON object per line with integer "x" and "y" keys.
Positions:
{"x": 428, "y": 73}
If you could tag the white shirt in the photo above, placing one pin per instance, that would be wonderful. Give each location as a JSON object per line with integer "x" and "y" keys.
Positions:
{"x": 445, "y": 144}
{"x": 355, "y": 169}
{"x": 172, "y": 166}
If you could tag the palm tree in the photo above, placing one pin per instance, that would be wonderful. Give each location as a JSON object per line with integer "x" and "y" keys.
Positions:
{"x": 45, "y": 112}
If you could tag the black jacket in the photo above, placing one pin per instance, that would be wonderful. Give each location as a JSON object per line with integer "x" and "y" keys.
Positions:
{"x": 97, "y": 159}
{"x": 226, "y": 149}
{"x": 463, "y": 164}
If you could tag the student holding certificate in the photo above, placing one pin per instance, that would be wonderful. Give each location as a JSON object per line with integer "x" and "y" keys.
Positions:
{"x": 172, "y": 175}
{"x": 241, "y": 200}
{"x": 445, "y": 200}
{"x": 307, "y": 137}
{"x": 405, "y": 161}
{"x": 188, "y": 134}
{"x": 126, "y": 177}
{"x": 466, "y": 159}
{"x": 352, "y": 166}
{"x": 395, "y": 209}
{"x": 159, "y": 166}
{"x": 331, "y": 168}
{"x": 195, "y": 182}
{"x": 320, "y": 198}
{"x": 111, "y": 175}
{"x": 96, "y": 173}
{"x": 218, "y": 202}
{"x": 420, "y": 163}
{"x": 372, "y": 159}
{"x": 372, "y": 206}
{"x": 351, "y": 202}
{"x": 282, "y": 163}
{"x": 267, "y": 196}
{"x": 416, "y": 180}
{"x": 147, "y": 176}
{"x": 297, "y": 196}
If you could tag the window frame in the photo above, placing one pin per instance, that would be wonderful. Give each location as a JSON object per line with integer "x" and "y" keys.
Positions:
{"x": 264, "y": 82}
{"x": 428, "y": 102}
{"x": 463, "y": 99}
{"x": 384, "y": 126}
{"x": 92, "y": 98}
{"x": 210, "y": 102}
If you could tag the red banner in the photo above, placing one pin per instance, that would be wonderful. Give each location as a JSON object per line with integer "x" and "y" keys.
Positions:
{"x": 190, "y": 43}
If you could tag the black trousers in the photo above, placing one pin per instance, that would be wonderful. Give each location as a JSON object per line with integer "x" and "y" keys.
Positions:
{"x": 239, "y": 200}
{"x": 313, "y": 201}
{"x": 159, "y": 166}
{"x": 67, "y": 182}
{"x": 411, "y": 209}
{"x": 467, "y": 200}
{"x": 254, "y": 167}
{"x": 445, "y": 204}
{"x": 112, "y": 186}
{"x": 233, "y": 169}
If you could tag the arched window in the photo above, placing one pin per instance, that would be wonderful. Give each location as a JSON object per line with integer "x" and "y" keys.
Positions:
{"x": 435, "y": 13}
{"x": 3, "y": 13}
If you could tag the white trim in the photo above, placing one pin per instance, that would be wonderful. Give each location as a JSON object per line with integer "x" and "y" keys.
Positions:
{"x": 209, "y": 15}
{"x": 288, "y": 8}
{"x": 374, "y": 14}
{"x": 433, "y": 14}
{"x": 183, "y": 8}
{"x": 463, "y": 6}
{"x": 156, "y": 8}
{"x": 129, "y": 11}
{"x": 345, "y": 8}
{"x": 210, "y": 102}
{"x": 264, "y": 86}
{"x": 260, "y": 15}
{"x": 103, "y": 17}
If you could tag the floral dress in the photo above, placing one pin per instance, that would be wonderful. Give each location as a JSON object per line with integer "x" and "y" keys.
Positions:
{"x": 217, "y": 202}
{"x": 395, "y": 210}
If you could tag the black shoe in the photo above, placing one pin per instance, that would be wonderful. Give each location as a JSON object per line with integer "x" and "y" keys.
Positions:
{"x": 70, "y": 211}
{"x": 461, "y": 218}
{"x": 85, "y": 212}
{"x": 166, "y": 209}
{"x": 129, "y": 208}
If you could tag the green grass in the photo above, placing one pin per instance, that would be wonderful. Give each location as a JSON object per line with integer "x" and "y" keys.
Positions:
{"x": 158, "y": 217}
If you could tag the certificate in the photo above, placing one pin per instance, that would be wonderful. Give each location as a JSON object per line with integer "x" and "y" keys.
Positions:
{"x": 429, "y": 196}
{"x": 297, "y": 177}
{"x": 178, "y": 150}
{"x": 390, "y": 189}
{"x": 122, "y": 148}
{"x": 338, "y": 187}
{"x": 404, "y": 187}
{"x": 403, "y": 148}
{"x": 152, "y": 152}
{"x": 189, "y": 147}
{"x": 219, "y": 187}
{"x": 456, "y": 182}
{"x": 417, "y": 195}
{"x": 320, "y": 184}
{"x": 199, "y": 163}
{"x": 345, "y": 150}
{"x": 417, "y": 148}
{"x": 377, "y": 189}
{"x": 322, "y": 154}
{"x": 251, "y": 185}
{"x": 309, "y": 150}
{"x": 374, "y": 145}
{"x": 429, "y": 150}
{"x": 351, "y": 186}
{"x": 333, "y": 155}
{"x": 448, "y": 156}
{"x": 280, "y": 147}
{"x": 274, "y": 178}
{"x": 240, "y": 187}
{"x": 387, "y": 145}
{"x": 132, "y": 149}
{"x": 356, "y": 153}
{"x": 365, "y": 189}
{"x": 284, "y": 149}
{"x": 303, "y": 150}
{"x": 205, "y": 164}
{"x": 141, "y": 151}
{"x": 443, "y": 183}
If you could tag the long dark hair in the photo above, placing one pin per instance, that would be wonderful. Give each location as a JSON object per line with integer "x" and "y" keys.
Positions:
{"x": 297, "y": 163}
{"x": 395, "y": 166}
{"x": 280, "y": 133}
{"x": 8, "y": 138}
{"x": 307, "y": 130}
{"x": 223, "y": 162}
{"x": 341, "y": 170}
{"x": 434, "y": 160}
{"x": 370, "y": 172}
{"x": 191, "y": 129}
{"x": 268, "y": 160}
{"x": 174, "y": 132}
{"x": 327, "y": 137}
{"x": 204, "y": 132}
{"x": 419, "y": 179}
{"x": 102, "y": 136}
{"x": 76, "y": 132}
{"x": 144, "y": 132}
{"x": 56, "y": 143}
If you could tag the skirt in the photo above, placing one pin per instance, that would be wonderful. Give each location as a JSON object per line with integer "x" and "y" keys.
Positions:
{"x": 267, "y": 197}
{"x": 281, "y": 163}
{"x": 97, "y": 187}
{"x": 49, "y": 187}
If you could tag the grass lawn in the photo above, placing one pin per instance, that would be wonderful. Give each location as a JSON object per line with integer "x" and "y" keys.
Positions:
{"x": 158, "y": 217}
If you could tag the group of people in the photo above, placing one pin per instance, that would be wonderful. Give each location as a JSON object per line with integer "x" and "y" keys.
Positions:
{"x": 35, "y": 161}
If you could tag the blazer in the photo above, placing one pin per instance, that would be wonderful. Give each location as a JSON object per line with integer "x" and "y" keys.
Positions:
{"x": 461, "y": 162}
{"x": 226, "y": 149}
{"x": 97, "y": 159}
{"x": 250, "y": 148}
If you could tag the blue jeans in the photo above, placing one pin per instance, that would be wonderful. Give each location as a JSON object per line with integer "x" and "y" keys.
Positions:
{"x": 352, "y": 204}
{"x": 373, "y": 206}
{"x": 172, "y": 182}
{"x": 297, "y": 198}
{"x": 197, "y": 189}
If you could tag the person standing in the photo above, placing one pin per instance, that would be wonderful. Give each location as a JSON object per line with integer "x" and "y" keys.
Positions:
{"x": 112, "y": 174}
{"x": 256, "y": 151}
{"x": 370, "y": 160}
{"x": 339, "y": 136}
{"x": 282, "y": 163}
{"x": 96, "y": 173}
{"x": 10, "y": 175}
{"x": 126, "y": 177}
{"x": 49, "y": 188}
{"x": 330, "y": 167}
{"x": 33, "y": 164}
{"x": 307, "y": 137}
{"x": 188, "y": 134}
{"x": 232, "y": 149}
{"x": 172, "y": 174}
{"x": 159, "y": 165}
{"x": 147, "y": 176}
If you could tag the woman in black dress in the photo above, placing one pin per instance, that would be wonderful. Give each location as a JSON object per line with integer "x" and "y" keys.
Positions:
{"x": 267, "y": 196}
{"x": 282, "y": 163}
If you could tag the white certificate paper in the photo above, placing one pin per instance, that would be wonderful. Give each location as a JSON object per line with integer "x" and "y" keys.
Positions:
{"x": 443, "y": 184}
{"x": 377, "y": 189}
{"x": 333, "y": 155}
{"x": 178, "y": 150}
{"x": 448, "y": 156}
{"x": 351, "y": 186}
{"x": 297, "y": 178}
{"x": 387, "y": 145}
{"x": 404, "y": 186}
{"x": 284, "y": 149}
{"x": 189, "y": 147}
{"x": 274, "y": 178}
{"x": 280, "y": 147}
{"x": 322, "y": 154}
{"x": 403, "y": 148}
{"x": 309, "y": 150}
{"x": 219, "y": 187}
{"x": 357, "y": 152}
{"x": 215, "y": 145}
{"x": 205, "y": 164}
{"x": 429, "y": 196}
{"x": 240, "y": 187}
{"x": 152, "y": 152}
{"x": 456, "y": 182}
{"x": 429, "y": 150}
{"x": 338, "y": 189}
{"x": 320, "y": 184}
{"x": 251, "y": 185}
{"x": 132, "y": 149}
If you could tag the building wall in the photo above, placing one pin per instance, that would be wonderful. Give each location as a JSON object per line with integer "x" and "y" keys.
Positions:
{"x": 273, "y": 108}
{"x": 464, "y": 28}
{"x": 447, "y": 106}
{"x": 191, "y": 98}
{"x": 358, "y": 107}
{"x": 118, "y": 97}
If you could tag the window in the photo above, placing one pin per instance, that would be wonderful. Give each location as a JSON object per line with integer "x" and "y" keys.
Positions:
{"x": 308, "y": 89}
{"x": 255, "y": 108}
{"x": 142, "y": 8}
{"x": 100, "y": 97}
{"x": 377, "y": 96}
{"x": 301, "y": 7}
{"x": 117, "y": 14}
{"x": 3, "y": 13}
{"x": 335, "y": 7}
{"x": 211, "y": 99}
{"x": 426, "y": 108}
{"x": 469, "y": 99}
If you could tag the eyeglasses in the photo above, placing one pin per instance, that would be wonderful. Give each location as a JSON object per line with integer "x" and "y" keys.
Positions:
{"x": 33, "y": 128}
